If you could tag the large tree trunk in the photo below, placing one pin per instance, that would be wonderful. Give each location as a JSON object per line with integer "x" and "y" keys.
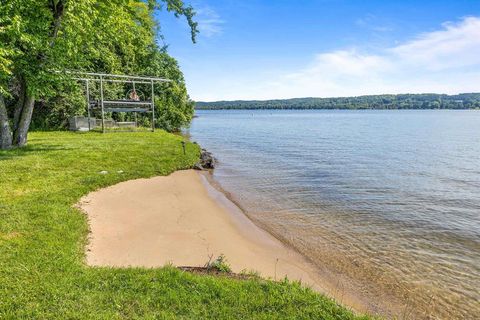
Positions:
{"x": 5, "y": 132}
{"x": 21, "y": 119}
{"x": 22, "y": 114}
{"x": 23, "y": 122}
{"x": 20, "y": 102}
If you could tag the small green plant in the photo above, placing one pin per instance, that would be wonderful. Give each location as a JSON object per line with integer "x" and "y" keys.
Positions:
{"x": 220, "y": 264}
{"x": 250, "y": 273}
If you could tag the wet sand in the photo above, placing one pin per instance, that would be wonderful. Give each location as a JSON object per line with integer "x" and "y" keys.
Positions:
{"x": 181, "y": 219}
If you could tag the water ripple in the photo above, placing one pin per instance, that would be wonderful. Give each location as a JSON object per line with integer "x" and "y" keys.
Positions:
{"x": 388, "y": 198}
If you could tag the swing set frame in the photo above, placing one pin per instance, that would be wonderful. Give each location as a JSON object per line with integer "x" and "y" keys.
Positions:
{"x": 125, "y": 105}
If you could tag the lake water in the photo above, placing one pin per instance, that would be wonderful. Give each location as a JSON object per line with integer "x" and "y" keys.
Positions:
{"x": 389, "y": 200}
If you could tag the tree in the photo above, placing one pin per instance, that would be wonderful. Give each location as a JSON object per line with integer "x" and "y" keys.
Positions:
{"x": 174, "y": 107}
{"x": 40, "y": 36}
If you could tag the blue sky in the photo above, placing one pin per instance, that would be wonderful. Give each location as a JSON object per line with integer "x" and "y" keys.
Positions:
{"x": 283, "y": 49}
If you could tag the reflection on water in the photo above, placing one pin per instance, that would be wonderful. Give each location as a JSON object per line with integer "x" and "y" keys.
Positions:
{"x": 390, "y": 199}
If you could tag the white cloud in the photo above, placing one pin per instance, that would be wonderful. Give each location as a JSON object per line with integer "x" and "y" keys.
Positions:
{"x": 209, "y": 22}
{"x": 442, "y": 61}
{"x": 456, "y": 46}
{"x": 446, "y": 61}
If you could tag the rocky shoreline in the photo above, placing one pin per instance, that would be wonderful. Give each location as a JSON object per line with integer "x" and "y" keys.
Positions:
{"x": 206, "y": 162}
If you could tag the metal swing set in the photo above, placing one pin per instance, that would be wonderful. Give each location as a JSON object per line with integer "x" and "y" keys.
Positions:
{"x": 135, "y": 101}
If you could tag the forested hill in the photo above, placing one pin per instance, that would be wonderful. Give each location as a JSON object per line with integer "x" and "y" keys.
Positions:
{"x": 387, "y": 101}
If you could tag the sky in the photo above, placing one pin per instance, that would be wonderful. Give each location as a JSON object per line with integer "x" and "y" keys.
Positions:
{"x": 257, "y": 50}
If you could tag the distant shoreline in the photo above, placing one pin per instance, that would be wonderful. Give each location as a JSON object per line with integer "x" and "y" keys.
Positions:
{"x": 335, "y": 109}
{"x": 463, "y": 101}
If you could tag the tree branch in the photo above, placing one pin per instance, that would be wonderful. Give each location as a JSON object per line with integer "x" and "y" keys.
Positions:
{"x": 58, "y": 9}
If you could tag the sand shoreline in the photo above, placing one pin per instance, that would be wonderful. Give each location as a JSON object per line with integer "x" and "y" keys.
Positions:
{"x": 184, "y": 220}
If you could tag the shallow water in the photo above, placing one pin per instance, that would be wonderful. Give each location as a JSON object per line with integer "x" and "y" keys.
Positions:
{"x": 389, "y": 199}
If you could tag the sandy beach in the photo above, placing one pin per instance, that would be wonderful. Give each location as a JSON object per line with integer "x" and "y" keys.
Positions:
{"x": 181, "y": 219}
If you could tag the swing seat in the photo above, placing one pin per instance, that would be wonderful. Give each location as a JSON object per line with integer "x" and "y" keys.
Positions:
{"x": 140, "y": 110}
{"x": 122, "y": 105}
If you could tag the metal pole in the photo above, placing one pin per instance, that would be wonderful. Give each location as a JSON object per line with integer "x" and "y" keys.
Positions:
{"x": 123, "y": 76}
{"x": 134, "y": 95}
{"x": 153, "y": 109}
{"x": 101, "y": 102}
{"x": 88, "y": 106}
{"x": 111, "y": 80}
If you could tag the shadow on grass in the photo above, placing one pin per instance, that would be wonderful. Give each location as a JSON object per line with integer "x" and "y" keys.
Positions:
{"x": 17, "y": 152}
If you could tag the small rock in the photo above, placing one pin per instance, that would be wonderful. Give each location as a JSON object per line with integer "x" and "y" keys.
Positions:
{"x": 198, "y": 166}
{"x": 103, "y": 172}
{"x": 120, "y": 171}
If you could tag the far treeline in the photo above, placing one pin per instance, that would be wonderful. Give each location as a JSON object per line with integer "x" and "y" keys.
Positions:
{"x": 377, "y": 102}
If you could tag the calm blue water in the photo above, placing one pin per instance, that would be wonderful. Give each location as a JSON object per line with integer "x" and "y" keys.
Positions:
{"x": 388, "y": 198}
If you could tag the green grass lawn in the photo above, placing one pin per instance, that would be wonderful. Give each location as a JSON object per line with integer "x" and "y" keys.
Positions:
{"x": 42, "y": 240}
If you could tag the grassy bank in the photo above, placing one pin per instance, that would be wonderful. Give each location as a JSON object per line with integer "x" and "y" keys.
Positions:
{"x": 42, "y": 239}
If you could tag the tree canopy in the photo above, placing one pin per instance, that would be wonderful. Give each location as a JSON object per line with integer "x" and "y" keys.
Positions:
{"x": 38, "y": 37}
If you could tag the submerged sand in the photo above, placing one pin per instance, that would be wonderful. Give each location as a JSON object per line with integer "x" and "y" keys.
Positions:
{"x": 182, "y": 220}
